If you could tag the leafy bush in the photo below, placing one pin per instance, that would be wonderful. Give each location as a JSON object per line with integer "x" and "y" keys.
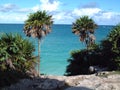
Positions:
{"x": 16, "y": 56}
{"x": 85, "y": 27}
{"x": 110, "y": 49}
{"x": 78, "y": 63}
{"x": 81, "y": 60}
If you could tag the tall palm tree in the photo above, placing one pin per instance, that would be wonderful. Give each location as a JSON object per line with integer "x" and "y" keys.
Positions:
{"x": 38, "y": 25}
{"x": 84, "y": 27}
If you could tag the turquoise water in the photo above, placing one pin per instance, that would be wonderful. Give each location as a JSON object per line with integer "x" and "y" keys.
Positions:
{"x": 56, "y": 47}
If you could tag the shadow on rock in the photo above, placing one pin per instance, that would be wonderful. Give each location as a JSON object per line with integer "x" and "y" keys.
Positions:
{"x": 10, "y": 77}
{"x": 38, "y": 83}
{"x": 78, "y": 88}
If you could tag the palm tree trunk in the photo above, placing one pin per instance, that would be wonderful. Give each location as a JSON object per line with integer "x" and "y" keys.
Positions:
{"x": 39, "y": 57}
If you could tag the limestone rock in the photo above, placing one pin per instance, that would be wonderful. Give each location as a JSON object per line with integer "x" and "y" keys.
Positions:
{"x": 80, "y": 82}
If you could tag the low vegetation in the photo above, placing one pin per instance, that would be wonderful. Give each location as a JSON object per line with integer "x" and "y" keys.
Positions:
{"x": 16, "y": 58}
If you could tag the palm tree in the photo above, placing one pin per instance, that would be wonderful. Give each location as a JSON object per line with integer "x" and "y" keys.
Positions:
{"x": 38, "y": 25}
{"x": 84, "y": 27}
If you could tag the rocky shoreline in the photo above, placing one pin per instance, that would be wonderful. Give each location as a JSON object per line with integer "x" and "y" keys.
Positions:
{"x": 80, "y": 82}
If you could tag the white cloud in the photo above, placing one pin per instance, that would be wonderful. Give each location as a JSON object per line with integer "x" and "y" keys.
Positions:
{"x": 63, "y": 17}
{"x": 86, "y": 11}
{"x": 12, "y": 17}
{"x": 108, "y": 18}
{"x": 71, "y": 16}
{"x": 12, "y": 8}
{"x": 7, "y": 7}
{"x": 49, "y": 5}
{"x": 100, "y": 16}
{"x": 13, "y": 13}
{"x": 23, "y": 10}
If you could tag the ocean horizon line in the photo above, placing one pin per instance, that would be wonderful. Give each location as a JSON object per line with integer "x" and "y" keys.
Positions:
{"x": 53, "y": 24}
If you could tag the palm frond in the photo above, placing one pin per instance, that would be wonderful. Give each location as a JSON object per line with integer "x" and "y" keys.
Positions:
{"x": 84, "y": 26}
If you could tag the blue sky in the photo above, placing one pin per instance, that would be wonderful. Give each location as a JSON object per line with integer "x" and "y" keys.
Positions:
{"x": 103, "y": 12}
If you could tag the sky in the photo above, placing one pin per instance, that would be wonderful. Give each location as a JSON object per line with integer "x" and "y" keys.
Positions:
{"x": 103, "y": 12}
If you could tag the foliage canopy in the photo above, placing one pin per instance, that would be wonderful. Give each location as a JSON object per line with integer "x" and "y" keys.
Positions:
{"x": 16, "y": 53}
{"x": 85, "y": 27}
{"x": 16, "y": 58}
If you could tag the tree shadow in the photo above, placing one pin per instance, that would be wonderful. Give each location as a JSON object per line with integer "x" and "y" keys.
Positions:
{"x": 42, "y": 83}
{"x": 37, "y": 83}
{"x": 9, "y": 77}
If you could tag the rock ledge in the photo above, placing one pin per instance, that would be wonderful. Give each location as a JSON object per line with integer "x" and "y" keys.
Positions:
{"x": 81, "y": 82}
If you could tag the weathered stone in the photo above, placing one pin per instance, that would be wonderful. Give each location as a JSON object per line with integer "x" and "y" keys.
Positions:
{"x": 91, "y": 69}
{"x": 81, "y": 82}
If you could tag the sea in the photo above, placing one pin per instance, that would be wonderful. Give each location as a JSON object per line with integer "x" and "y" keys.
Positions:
{"x": 57, "y": 46}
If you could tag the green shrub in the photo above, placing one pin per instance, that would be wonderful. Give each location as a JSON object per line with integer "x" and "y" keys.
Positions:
{"x": 81, "y": 60}
{"x": 110, "y": 49}
{"x": 16, "y": 56}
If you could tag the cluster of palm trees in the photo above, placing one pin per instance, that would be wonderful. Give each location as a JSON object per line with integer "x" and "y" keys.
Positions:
{"x": 39, "y": 24}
